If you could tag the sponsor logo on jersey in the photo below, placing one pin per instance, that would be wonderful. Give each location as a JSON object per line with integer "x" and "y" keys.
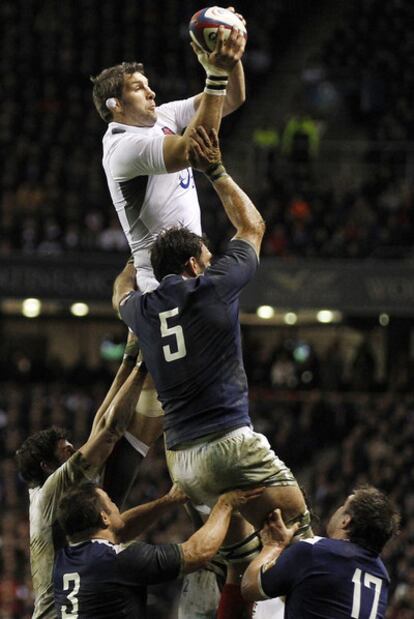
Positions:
{"x": 185, "y": 178}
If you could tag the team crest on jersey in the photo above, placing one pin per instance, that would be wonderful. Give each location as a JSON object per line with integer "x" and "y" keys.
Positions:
{"x": 167, "y": 131}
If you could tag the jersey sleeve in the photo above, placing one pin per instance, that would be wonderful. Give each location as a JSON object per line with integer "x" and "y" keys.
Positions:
{"x": 177, "y": 114}
{"x": 289, "y": 568}
{"x": 137, "y": 155}
{"x": 233, "y": 271}
{"x": 148, "y": 564}
{"x": 75, "y": 470}
{"x": 129, "y": 309}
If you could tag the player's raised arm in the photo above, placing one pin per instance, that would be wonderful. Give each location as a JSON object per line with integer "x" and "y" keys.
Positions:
{"x": 205, "y": 155}
{"x": 219, "y": 66}
{"x": 115, "y": 420}
{"x": 124, "y": 370}
{"x": 204, "y": 543}
{"x": 138, "y": 519}
{"x": 124, "y": 283}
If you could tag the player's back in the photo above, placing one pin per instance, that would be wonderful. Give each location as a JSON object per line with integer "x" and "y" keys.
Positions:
{"x": 190, "y": 337}
{"x": 88, "y": 585}
{"x": 341, "y": 580}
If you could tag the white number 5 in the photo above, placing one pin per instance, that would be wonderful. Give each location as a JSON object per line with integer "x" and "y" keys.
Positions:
{"x": 177, "y": 331}
{"x": 369, "y": 580}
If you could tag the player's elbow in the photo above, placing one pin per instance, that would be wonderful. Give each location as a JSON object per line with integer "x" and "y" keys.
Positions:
{"x": 260, "y": 228}
{"x": 248, "y": 590}
{"x": 176, "y": 153}
{"x": 196, "y": 556}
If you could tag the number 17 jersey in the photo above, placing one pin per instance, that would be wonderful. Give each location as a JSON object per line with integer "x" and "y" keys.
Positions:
{"x": 326, "y": 578}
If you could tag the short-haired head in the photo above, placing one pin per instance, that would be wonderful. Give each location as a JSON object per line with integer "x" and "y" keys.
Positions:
{"x": 373, "y": 518}
{"x": 79, "y": 511}
{"x": 38, "y": 449}
{"x": 172, "y": 250}
{"x": 109, "y": 85}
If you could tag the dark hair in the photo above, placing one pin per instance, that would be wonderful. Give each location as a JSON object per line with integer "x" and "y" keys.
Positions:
{"x": 172, "y": 249}
{"x": 373, "y": 518}
{"x": 79, "y": 510}
{"x": 109, "y": 83}
{"x": 38, "y": 448}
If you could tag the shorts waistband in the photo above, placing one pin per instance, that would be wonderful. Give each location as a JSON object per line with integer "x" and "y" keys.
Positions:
{"x": 212, "y": 438}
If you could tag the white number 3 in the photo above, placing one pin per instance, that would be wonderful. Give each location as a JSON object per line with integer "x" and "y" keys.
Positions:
{"x": 177, "y": 331}
{"x": 67, "y": 580}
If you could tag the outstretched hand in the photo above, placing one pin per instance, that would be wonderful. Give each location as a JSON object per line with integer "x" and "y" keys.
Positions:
{"x": 204, "y": 150}
{"x": 177, "y": 495}
{"x": 275, "y": 532}
{"x": 235, "y": 498}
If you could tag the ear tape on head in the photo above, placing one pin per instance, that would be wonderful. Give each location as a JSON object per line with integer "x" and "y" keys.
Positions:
{"x": 110, "y": 103}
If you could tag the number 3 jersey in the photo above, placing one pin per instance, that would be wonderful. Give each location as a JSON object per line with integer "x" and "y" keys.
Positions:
{"x": 100, "y": 580}
{"x": 323, "y": 577}
{"x": 146, "y": 197}
{"x": 189, "y": 333}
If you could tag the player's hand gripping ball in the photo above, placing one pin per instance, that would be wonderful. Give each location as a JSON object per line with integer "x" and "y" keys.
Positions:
{"x": 204, "y": 25}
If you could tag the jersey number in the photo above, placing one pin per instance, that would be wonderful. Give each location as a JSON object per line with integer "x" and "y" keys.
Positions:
{"x": 167, "y": 331}
{"x": 67, "y": 580}
{"x": 369, "y": 581}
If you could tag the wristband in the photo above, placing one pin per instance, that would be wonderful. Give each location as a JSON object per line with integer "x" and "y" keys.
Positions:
{"x": 216, "y": 84}
{"x": 216, "y": 171}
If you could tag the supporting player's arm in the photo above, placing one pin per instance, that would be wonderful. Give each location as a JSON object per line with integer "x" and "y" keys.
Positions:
{"x": 220, "y": 63}
{"x": 124, "y": 370}
{"x": 275, "y": 538}
{"x": 205, "y": 155}
{"x": 115, "y": 421}
{"x": 139, "y": 518}
{"x": 204, "y": 543}
{"x": 124, "y": 283}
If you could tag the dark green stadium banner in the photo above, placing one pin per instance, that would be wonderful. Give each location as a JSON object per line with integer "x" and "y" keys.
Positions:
{"x": 355, "y": 286}
{"x": 75, "y": 278}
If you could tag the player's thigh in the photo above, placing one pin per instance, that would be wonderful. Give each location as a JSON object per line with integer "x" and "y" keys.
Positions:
{"x": 289, "y": 499}
{"x": 240, "y": 459}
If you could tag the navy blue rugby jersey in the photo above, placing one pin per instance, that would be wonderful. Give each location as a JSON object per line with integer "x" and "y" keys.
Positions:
{"x": 328, "y": 579}
{"x": 99, "y": 580}
{"x": 189, "y": 332}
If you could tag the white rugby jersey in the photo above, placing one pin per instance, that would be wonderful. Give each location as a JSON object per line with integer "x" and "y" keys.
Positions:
{"x": 45, "y": 535}
{"x": 146, "y": 197}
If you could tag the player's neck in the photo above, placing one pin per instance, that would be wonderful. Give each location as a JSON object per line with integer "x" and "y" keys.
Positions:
{"x": 340, "y": 534}
{"x": 106, "y": 534}
{"x": 84, "y": 536}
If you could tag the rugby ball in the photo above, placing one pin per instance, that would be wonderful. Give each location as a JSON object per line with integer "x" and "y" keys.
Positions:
{"x": 204, "y": 25}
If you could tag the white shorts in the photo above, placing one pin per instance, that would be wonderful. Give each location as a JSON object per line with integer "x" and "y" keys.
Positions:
{"x": 241, "y": 458}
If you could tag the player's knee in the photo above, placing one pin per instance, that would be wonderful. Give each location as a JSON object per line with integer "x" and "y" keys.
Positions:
{"x": 243, "y": 551}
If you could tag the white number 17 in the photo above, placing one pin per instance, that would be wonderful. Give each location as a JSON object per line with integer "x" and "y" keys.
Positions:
{"x": 369, "y": 580}
{"x": 177, "y": 331}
